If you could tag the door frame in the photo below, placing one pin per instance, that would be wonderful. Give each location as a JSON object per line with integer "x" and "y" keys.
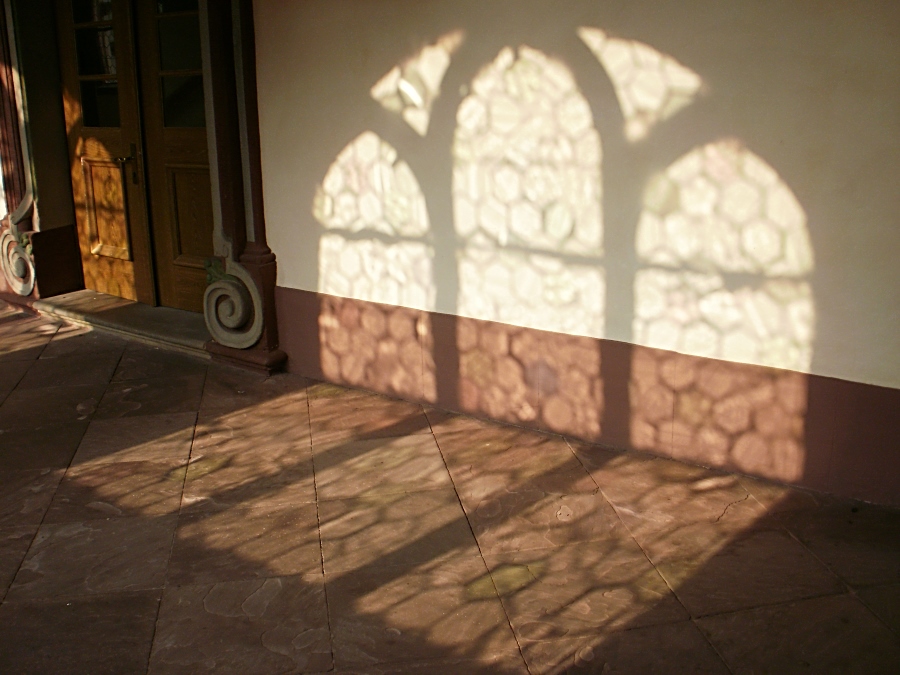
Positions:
{"x": 221, "y": 82}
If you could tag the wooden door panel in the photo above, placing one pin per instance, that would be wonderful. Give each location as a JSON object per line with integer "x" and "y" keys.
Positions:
{"x": 178, "y": 180}
{"x": 190, "y": 211}
{"x": 97, "y": 184}
{"x": 107, "y": 218}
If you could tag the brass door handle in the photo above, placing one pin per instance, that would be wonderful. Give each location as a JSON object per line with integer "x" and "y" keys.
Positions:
{"x": 122, "y": 160}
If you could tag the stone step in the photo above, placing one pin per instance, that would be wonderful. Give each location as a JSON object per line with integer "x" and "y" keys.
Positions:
{"x": 159, "y": 326}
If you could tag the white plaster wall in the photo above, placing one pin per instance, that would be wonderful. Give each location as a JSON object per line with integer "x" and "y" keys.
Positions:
{"x": 809, "y": 87}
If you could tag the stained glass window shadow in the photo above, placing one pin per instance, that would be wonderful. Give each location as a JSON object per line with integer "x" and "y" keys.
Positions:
{"x": 411, "y": 88}
{"x": 650, "y": 86}
{"x": 527, "y": 198}
{"x": 725, "y": 256}
{"x": 375, "y": 247}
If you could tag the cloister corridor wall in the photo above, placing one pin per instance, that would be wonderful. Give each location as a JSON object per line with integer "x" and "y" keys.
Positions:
{"x": 653, "y": 227}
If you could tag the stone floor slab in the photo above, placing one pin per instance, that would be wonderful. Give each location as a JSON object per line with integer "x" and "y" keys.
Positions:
{"x": 394, "y": 529}
{"x": 233, "y": 544}
{"x": 77, "y": 369}
{"x": 10, "y": 375}
{"x": 251, "y": 478}
{"x": 135, "y": 439}
{"x": 364, "y": 417}
{"x": 118, "y": 489}
{"x": 174, "y": 394}
{"x": 438, "y": 612}
{"x": 520, "y": 521}
{"x": 884, "y": 601}
{"x": 357, "y": 468}
{"x": 859, "y": 542}
{"x": 27, "y": 348}
{"x": 252, "y": 627}
{"x": 778, "y": 499}
{"x": 759, "y": 567}
{"x": 279, "y": 427}
{"x": 835, "y": 634}
{"x": 31, "y": 408}
{"x": 142, "y": 362}
{"x": 674, "y": 510}
{"x": 229, "y": 389}
{"x": 95, "y": 557}
{"x": 26, "y": 495}
{"x": 14, "y": 543}
{"x": 486, "y": 462}
{"x": 105, "y": 635}
{"x": 582, "y": 590}
{"x": 499, "y": 665}
{"x": 668, "y": 648}
{"x": 24, "y": 338}
{"x": 71, "y": 340}
{"x": 48, "y": 447}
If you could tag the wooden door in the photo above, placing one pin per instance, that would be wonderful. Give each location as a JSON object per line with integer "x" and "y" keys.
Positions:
{"x": 135, "y": 117}
{"x": 100, "y": 92}
{"x": 177, "y": 158}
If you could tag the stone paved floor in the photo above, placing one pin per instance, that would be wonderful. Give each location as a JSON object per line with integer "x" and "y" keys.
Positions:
{"x": 159, "y": 513}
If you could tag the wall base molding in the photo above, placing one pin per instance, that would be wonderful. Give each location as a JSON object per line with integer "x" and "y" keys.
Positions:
{"x": 263, "y": 361}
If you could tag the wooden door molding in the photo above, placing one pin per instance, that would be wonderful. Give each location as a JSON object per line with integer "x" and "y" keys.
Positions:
{"x": 188, "y": 190}
{"x": 107, "y": 229}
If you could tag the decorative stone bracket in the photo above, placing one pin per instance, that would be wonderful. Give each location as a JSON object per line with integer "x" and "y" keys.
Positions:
{"x": 232, "y": 305}
{"x": 16, "y": 258}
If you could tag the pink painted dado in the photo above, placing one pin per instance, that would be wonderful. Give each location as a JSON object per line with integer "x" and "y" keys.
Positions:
{"x": 817, "y": 432}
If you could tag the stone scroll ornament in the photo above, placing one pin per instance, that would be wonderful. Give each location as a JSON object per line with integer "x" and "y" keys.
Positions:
{"x": 232, "y": 305}
{"x": 16, "y": 260}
